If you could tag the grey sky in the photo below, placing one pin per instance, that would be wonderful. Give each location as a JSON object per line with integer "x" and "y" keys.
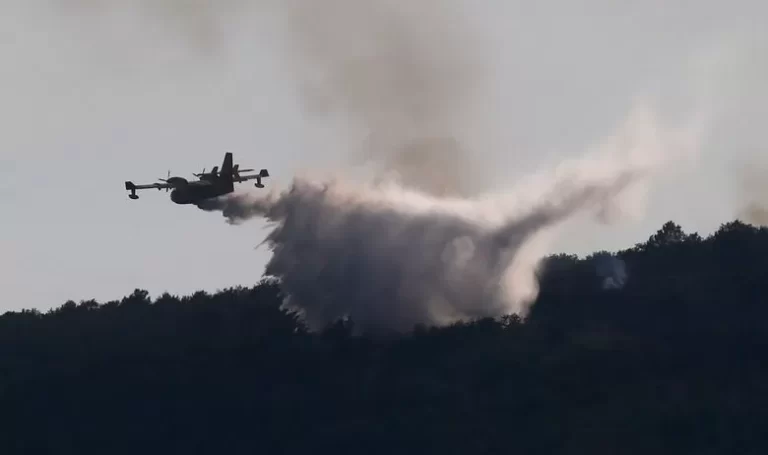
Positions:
{"x": 95, "y": 93}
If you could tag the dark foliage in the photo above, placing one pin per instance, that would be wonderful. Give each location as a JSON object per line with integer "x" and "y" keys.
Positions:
{"x": 672, "y": 362}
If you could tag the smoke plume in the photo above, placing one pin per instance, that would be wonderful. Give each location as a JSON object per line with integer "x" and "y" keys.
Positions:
{"x": 754, "y": 194}
{"x": 391, "y": 257}
{"x": 403, "y": 79}
{"x": 611, "y": 270}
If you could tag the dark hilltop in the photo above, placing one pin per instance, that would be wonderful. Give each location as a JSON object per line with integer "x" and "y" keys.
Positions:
{"x": 656, "y": 349}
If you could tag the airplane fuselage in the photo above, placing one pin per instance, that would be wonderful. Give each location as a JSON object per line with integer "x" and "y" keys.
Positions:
{"x": 195, "y": 192}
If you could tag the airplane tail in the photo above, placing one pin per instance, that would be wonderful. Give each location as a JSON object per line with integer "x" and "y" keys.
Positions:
{"x": 226, "y": 172}
{"x": 226, "y": 166}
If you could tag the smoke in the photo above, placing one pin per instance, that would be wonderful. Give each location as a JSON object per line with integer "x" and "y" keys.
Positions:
{"x": 200, "y": 24}
{"x": 734, "y": 74}
{"x": 754, "y": 194}
{"x": 611, "y": 270}
{"x": 755, "y": 213}
{"x": 400, "y": 80}
{"x": 390, "y": 257}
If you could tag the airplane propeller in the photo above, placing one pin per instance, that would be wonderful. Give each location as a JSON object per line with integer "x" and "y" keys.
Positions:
{"x": 166, "y": 179}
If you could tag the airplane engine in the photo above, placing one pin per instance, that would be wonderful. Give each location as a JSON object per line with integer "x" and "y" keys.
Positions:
{"x": 177, "y": 181}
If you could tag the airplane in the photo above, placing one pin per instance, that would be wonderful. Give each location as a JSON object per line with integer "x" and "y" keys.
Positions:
{"x": 210, "y": 185}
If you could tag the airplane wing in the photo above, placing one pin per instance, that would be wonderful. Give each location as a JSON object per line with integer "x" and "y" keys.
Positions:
{"x": 130, "y": 186}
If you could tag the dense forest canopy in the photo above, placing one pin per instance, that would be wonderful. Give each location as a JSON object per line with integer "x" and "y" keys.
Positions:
{"x": 659, "y": 348}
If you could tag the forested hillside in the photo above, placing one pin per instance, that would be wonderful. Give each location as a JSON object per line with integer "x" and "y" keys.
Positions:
{"x": 671, "y": 360}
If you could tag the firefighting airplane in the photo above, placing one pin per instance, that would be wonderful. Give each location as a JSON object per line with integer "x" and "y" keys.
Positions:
{"x": 210, "y": 185}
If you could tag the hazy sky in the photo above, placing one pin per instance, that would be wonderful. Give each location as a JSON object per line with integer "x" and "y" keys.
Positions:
{"x": 98, "y": 92}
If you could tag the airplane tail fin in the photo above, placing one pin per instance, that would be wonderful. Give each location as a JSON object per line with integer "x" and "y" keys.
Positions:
{"x": 226, "y": 166}
{"x": 227, "y": 170}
